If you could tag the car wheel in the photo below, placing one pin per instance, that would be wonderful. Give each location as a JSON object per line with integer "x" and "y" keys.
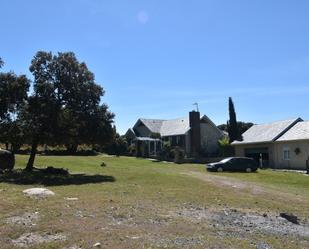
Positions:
{"x": 248, "y": 170}
{"x": 220, "y": 169}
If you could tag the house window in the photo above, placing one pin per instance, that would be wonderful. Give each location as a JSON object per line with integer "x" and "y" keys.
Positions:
{"x": 177, "y": 140}
{"x": 286, "y": 154}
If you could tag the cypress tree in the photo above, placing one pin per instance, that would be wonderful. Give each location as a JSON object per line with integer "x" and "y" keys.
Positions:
{"x": 232, "y": 123}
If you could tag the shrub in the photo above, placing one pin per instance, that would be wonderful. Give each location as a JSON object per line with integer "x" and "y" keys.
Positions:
{"x": 166, "y": 151}
{"x": 226, "y": 148}
{"x": 178, "y": 154}
{"x": 132, "y": 150}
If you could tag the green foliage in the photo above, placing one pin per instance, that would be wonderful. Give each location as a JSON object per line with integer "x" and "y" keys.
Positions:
{"x": 166, "y": 152}
{"x": 232, "y": 123}
{"x": 225, "y": 147}
{"x": 13, "y": 95}
{"x": 118, "y": 145}
{"x": 178, "y": 154}
{"x": 64, "y": 107}
{"x": 242, "y": 126}
{"x": 132, "y": 150}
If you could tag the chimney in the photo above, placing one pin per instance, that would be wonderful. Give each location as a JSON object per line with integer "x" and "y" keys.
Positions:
{"x": 195, "y": 132}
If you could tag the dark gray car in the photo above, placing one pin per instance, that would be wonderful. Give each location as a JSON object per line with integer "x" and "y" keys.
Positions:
{"x": 234, "y": 164}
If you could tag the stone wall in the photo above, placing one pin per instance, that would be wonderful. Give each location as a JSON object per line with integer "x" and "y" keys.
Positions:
{"x": 209, "y": 138}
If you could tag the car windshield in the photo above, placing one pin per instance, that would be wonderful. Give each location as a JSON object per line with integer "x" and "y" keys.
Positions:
{"x": 225, "y": 160}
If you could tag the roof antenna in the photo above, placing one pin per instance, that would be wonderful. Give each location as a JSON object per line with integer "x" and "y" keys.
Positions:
{"x": 196, "y": 104}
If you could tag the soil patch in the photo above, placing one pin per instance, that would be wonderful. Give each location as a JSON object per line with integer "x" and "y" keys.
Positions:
{"x": 30, "y": 239}
{"x": 232, "y": 222}
{"x": 27, "y": 219}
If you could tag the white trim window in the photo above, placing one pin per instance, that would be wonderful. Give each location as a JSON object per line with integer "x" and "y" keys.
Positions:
{"x": 286, "y": 154}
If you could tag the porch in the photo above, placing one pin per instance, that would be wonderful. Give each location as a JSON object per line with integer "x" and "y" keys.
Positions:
{"x": 147, "y": 146}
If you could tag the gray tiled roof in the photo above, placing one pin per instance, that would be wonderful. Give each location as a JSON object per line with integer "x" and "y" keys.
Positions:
{"x": 266, "y": 132}
{"x": 173, "y": 127}
{"x": 154, "y": 125}
{"x": 299, "y": 131}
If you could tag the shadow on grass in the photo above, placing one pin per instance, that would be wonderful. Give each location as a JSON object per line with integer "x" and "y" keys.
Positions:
{"x": 40, "y": 177}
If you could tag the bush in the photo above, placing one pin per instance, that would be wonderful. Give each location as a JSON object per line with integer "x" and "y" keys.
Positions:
{"x": 118, "y": 146}
{"x": 178, "y": 154}
{"x": 7, "y": 160}
{"x": 166, "y": 153}
{"x": 132, "y": 150}
{"x": 226, "y": 148}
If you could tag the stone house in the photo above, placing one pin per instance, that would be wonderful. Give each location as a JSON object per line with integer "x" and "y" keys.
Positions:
{"x": 281, "y": 144}
{"x": 193, "y": 134}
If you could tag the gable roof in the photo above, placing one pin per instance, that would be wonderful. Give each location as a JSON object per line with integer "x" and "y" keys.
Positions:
{"x": 154, "y": 125}
{"x": 267, "y": 132}
{"x": 130, "y": 133}
{"x": 209, "y": 121}
{"x": 174, "y": 127}
{"x": 299, "y": 131}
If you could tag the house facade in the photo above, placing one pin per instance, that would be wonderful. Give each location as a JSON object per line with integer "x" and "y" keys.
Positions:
{"x": 193, "y": 134}
{"x": 283, "y": 144}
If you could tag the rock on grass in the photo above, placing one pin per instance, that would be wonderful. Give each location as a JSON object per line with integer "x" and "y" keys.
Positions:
{"x": 38, "y": 192}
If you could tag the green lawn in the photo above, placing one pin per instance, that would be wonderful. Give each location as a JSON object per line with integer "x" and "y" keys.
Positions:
{"x": 138, "y": 203}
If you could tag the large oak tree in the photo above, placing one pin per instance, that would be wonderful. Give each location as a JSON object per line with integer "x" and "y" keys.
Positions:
{"x": 65, "y": 106}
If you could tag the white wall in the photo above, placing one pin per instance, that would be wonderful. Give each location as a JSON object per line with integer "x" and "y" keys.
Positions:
{"x": 297, "y": 161}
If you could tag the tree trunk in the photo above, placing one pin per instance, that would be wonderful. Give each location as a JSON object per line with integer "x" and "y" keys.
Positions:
{"x": 7, "y": 146}
{"x": 34, "y": 146}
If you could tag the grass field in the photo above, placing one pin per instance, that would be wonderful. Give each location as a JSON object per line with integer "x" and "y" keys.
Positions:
{"x": 138, "y": 203}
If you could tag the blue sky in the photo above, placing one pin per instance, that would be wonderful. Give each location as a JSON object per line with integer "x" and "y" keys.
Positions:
{"x": 155, "y": 58}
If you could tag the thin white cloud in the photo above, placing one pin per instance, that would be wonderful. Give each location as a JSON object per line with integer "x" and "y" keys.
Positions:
{"x": 142, "y": 17}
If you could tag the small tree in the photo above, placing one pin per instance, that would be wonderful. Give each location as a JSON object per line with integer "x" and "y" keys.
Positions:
{"x": 225, "y": 147}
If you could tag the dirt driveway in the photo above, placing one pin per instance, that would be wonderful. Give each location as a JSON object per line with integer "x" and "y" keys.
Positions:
{"x": 240, "y": 185}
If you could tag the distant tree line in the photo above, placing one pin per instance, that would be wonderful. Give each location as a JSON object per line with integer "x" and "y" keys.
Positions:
{"x": 62, "y": 106}
{"x": 241, "y": 126}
